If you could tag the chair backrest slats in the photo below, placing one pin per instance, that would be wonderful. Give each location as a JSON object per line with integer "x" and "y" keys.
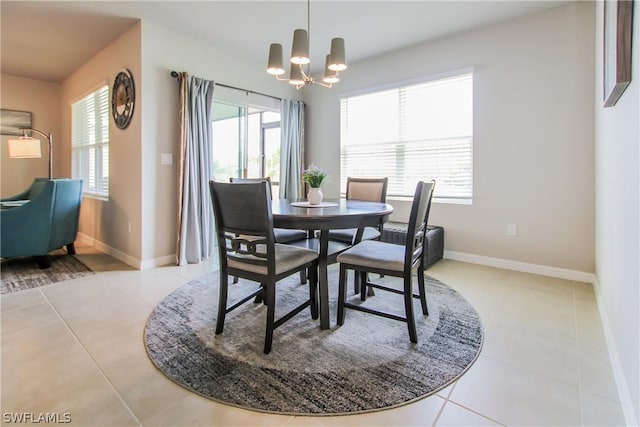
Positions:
{"x": 417, "y": 227}
{"x": 244, "y": 209}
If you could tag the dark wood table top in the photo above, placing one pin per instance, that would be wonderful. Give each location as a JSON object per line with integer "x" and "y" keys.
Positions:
{"x": 347, "y": 214}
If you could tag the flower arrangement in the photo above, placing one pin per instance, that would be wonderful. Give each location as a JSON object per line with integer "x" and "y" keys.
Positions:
{"x": 314, "y": 176}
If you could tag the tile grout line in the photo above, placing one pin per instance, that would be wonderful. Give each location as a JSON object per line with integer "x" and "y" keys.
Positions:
{"x": 544, "y": 375}
{"x": 575, "y": 320}
{"x": 449, "y": 398}
{"x": 84, "y": 349}
{"x": 444, "y": 403}
{"x": 475, "y": 412}
{"x": 19, "y": 308}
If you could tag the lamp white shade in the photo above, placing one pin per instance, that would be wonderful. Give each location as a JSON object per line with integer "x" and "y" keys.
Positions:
{"x": 329, "y": 75}
{"x": 300, "y": 47}
{"x": 25, "y": 148}
{"x": 275, "y": 65}
{"x": 296, "y": 77}
{"x": 337, "y": 55}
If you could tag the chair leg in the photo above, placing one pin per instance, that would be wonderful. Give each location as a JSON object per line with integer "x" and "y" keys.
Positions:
{"x": 270, "y": 297}
{"x": 259, "y": 298}
{"x": 222, "y": 302}
{"x": 363, "y": 286}
{"x": 313, "y": 291}
{"x": 71, "y": 249}
{"x": 235, "y": 279}
{"x": 423, "y": 292}
{"x": 356, "y": 283}
{"x": 408, "y": 308}
{"x": 342, "y": 293}
{"x": 303, "y": 276}
{"x": 43, "y": 261}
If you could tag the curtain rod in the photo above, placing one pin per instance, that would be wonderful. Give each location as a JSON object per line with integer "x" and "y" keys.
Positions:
{"x": 175, "y": 75}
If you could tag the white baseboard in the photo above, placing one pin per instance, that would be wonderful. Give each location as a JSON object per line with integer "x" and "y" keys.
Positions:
{"x": 543, "y": 270}
{"x": 614, "y": 357}
{"x": 158, "y": 262}
{"x": 580, "y": 276}
{"x": 126, "y": 258}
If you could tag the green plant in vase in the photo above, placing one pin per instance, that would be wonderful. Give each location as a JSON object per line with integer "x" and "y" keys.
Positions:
{"x": 314, "y": 176}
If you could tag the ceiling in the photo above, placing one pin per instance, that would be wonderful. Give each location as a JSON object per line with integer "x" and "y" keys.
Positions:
{"x": 60, "y": 36}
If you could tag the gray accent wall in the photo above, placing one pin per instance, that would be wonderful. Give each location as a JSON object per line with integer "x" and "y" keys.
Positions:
{"x": 533, "y": 152}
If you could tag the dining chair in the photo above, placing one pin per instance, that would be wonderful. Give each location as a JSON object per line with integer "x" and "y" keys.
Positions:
{"x": 372, "y": 256}
{"x": 368, "y": 190}
{"x": 244, "y": 209}
{"x": 282, "y": 235}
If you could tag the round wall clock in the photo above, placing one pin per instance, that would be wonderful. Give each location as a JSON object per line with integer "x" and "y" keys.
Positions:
{"x": 123, "y": 98}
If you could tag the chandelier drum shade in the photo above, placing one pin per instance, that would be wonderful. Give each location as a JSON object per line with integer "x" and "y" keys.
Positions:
{"x": 300, "y": 74}
{"x": 27, "y": 147}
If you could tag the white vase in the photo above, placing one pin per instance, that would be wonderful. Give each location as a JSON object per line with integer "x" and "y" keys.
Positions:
{"x": 315, "y": 196}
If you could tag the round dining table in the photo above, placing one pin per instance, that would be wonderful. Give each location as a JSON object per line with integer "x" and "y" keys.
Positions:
{"x": 330, "y": 215}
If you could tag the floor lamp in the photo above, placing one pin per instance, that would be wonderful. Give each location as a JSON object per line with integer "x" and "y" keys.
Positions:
{"x": 27, "y": 147}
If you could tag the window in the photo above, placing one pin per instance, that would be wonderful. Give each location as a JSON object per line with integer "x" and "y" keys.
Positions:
{"x": 410, "y": 133}
{"x": 246, "y": 143}
{"x": 90, "y": 142}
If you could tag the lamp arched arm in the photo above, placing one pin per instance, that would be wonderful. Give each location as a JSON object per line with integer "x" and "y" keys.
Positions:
{"x": 49, "y": 138}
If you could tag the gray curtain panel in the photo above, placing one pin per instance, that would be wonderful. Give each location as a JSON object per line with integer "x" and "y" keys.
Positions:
{"x": 292, "y": 148}
{"x": 196, "y": 239}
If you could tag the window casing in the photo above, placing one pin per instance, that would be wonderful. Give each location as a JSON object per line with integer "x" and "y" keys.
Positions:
{"x": 90, "y": 142}
{"x": 410, "y": 133}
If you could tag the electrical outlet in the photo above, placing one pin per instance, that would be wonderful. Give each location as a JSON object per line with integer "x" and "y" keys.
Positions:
{"x": 512, "y": 229}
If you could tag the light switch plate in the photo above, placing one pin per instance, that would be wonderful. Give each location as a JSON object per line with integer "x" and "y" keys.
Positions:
{"x": 166, "y": 158}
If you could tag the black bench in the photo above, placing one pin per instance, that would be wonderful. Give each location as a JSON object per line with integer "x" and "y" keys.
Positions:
{"x": 396, "y": 232}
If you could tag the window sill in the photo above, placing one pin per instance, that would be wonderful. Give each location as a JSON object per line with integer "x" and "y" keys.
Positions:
{"x": 96, "y": 197}
{"x": 435, "y": 200}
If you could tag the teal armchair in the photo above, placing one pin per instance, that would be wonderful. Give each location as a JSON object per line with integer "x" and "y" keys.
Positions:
{"x": 41, "y": 219}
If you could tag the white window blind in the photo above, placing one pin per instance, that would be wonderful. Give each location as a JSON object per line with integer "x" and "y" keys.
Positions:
{"x": 411, "y": 133}
{"x": 90, "y": 142}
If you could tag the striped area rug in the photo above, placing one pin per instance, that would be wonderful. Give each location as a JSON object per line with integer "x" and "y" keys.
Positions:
{"x": 367, "y": 364}
{"x": 19, "y": 274}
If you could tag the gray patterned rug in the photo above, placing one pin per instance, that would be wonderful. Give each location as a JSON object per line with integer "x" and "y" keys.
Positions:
{"x": 367, "y": 364}
{"x": 19, "y": 274}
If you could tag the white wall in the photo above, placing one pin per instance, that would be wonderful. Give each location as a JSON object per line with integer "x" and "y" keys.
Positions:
{"x": 42, "y": 99}
{"x": 164, "y": 50}
{"x": 533, "y": 134}
{"x": 138, "y": 222}
{"x": 115, "y": 224}
{"x": 618, "y": 223}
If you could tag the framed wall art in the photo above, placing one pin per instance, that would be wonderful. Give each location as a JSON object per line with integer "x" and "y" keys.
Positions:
{"x": 11, "y": 121}
{"x": 618, "y": 29}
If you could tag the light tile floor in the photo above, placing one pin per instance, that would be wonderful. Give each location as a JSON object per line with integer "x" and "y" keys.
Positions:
{"x": 76, "y": 347}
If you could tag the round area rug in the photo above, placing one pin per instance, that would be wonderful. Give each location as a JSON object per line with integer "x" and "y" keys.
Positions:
{"x": 367, "y": 364}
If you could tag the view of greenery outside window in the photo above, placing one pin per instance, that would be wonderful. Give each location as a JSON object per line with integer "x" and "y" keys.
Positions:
{"x": 410, "y": 133}
{"x": 90, "y": 142}
{"x": 246, "y": 143}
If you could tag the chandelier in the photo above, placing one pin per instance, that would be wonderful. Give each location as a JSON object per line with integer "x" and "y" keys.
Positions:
{"x": 300, "y": 73}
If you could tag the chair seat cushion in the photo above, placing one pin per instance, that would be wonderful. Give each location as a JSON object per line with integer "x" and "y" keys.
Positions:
{"x": 284, "y": 235}
{"x": 287, "y": 258}
{"x": 346, "y": 235}
{"x": 375, "y": 254}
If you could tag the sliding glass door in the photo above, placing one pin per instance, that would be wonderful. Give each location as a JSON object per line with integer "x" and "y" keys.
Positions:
{"x": 246, "y": 143}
